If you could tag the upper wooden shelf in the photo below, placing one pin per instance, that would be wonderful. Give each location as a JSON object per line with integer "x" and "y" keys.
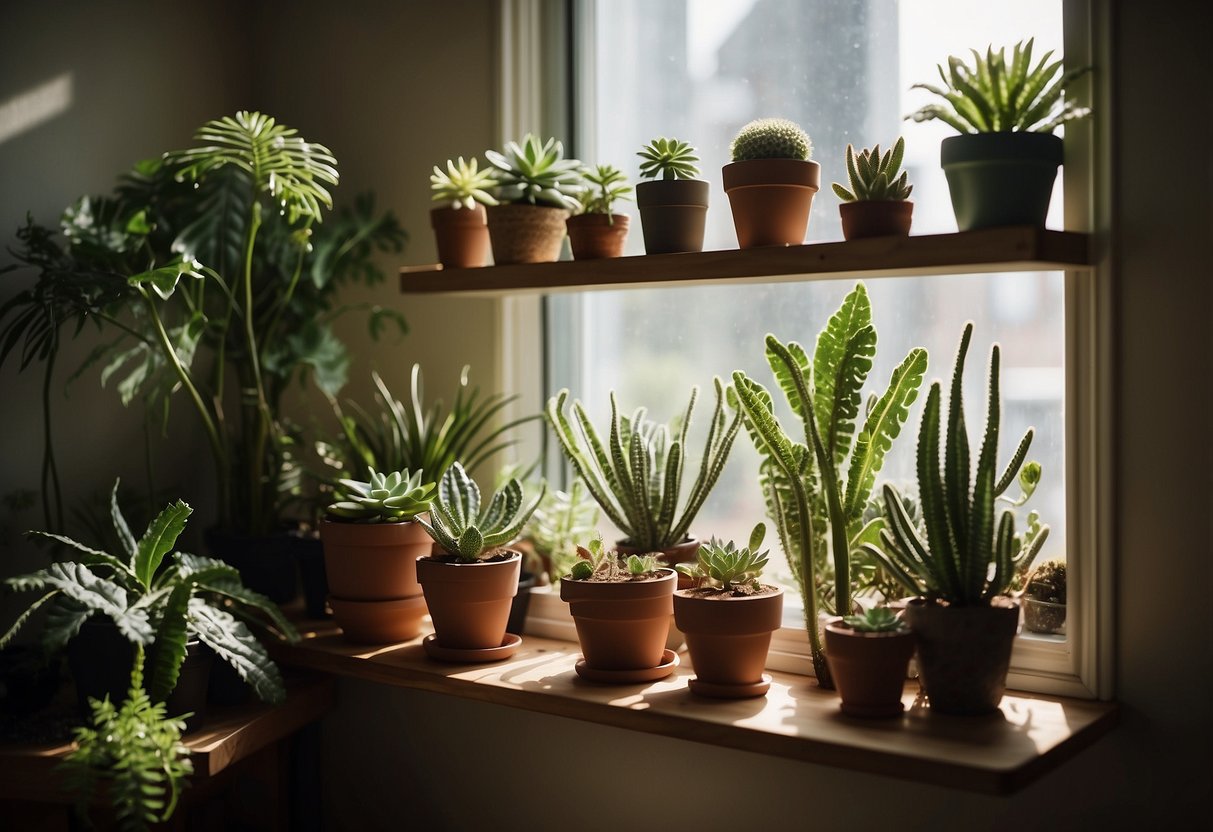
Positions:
{"x": 989, "y": 250}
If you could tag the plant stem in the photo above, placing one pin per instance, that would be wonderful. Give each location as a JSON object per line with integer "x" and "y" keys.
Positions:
{"x": 50, "y": 471}
{"x": 808, "y": 588}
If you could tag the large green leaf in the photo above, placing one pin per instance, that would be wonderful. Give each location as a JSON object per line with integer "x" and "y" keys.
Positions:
{"x": 159, "y": 539}
{"x": 783, "y": 374}
{"x": 850, "y": 374}
{"x": 235, "y": 644}
{"x": 852, "y": 316}
{"x": 78, "y": 583}
{"x": 171, "y": 635}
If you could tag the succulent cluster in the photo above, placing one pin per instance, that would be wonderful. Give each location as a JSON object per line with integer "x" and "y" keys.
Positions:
{"x": 604, "y": 185}
{"x": 386, "y": 498}
{"x": 724, "y": 565}
{"x": 536, "y": 173}
{"x": 463, "y": 184}
{"x": 873, "y": 177}
{"x": 596, "y": 562}
{"x": 771, "y": 138}
{"x": 458, "y": 524}
{"x": 668, "y": 159}
{"x": 876, "y": 620}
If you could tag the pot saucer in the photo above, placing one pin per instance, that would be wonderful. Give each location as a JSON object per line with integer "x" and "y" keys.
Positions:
{"x": 471, "y": 655}
{"x": 715, "y": 690}
{"x": 669, "y": 661}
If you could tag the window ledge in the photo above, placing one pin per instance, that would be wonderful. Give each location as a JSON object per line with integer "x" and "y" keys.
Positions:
{"x": 998, "y": 754}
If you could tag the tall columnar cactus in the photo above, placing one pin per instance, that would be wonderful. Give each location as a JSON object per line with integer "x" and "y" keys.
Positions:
{"x": 771, "y": 138}
{"x": 873, "y": 177}
{"x": 965, "y": 558}
{"x": 459, "y": 526}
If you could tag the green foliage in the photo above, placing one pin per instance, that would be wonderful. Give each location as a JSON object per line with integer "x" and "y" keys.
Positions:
{"x": 771, "y": 138}
{"x": 1048, "y": 582}
{"x": 151, "y": 598}
{"x": 724, "y": 565}
{"x": 668, "y": 159}
{"x": 536, "y": 174}
{"x": 876, "y": 620}
{"x": 965, "y": 558}
{"x": 873, "y": 177}
{"x": 386, "y": 498}
{"x": 636, "y": 475}
{"x": 639, "y": 565}
{"x": 597, "y": 563}
{"x": 996, "y": 96}
{"x": 463, "y": 184}
{"x": 604, "y": 185}
{"x": 458, "y": 524}
{"x": 561, "y": 519}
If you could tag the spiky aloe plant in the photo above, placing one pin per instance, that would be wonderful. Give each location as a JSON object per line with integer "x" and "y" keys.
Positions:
{"x": 668, "y": 159}
{"x": 996, "y": 96}
{"x": 459, "y": 526}
{"x": 873, "y": 177}
{"x": 604, "y": 185}
{"x": 536, "y": 173}
{"x": 965, "y": 558}
{"x": 636, "y": 476}
{"x": 771, "y": 138}
{"x": 463, "y": 184}
{"x": 385, "y": 498}
{"x": 723, "y": 564}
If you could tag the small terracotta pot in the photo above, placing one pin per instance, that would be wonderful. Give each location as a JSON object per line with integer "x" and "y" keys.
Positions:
{"x": 771, "y": 200}
{"x": 470, "y": 602}
{"x": 728, "y": 636}
{"x": 869, "y": 669}
{"x": 673, "y": 213}
{"x": 621, "y": 626}
{"x": 882, "y": 218}
{"x": 592, "y": 237}
{"x": 685, "y": 552}
{"x": 526, "y": 233}
{"x": 462, "y": 235}
{"x": 379, "y": 622}
{"x": 963, "y": 653}
{"x": 373, "y": 561}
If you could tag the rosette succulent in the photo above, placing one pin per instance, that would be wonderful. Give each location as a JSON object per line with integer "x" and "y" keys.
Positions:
{"x": 876, "y": 620}
{"x": 771, "y": 138}
{"x": 668, "y": 159}
{"x": 463, "y": 184}
{"x": 536, "y": 173}
{"x": 459, "y": 525}
{"x": 724, "y": 565}
{"x": 386, "y": 498}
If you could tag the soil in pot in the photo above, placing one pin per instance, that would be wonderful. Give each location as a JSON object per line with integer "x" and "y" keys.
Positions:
{"x": 266, "y": 564}
{"x": 729, "y": 634}
{"x": 521, "y": 603}
{"x": 998, "y": 179}
{"x": 883, "y": 218}
{"x": 462, "y": 236}
{"x": 379, "y": 622}
{"x": 771, "y": 200}
{"x": 963, "y": 653}
{"x": 869, "y": 669}
{"x": 469, "y": 603}
{"x": 597, "y": 236}
{"x": 373, "y": 561}
{"x": 526, "y": 233}
{"x": 673, "y": 213}
{"x": 622, "y": 625}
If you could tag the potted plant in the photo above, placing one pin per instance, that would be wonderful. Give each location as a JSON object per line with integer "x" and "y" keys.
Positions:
{"x": 877, "y": 203}
{"x": 459, "y": 223}
{"x": 470, "y": 579}
{"x": 869, "y": 658}
{"x": 728, "y": 618}
{"x": 597, "y": 231}
{"x": 963, "y": 623}
{"x": 673, "y": 201}
{"x": 537, "y": 189}
{"x": 561, "y": 519}
{"x": 1000, "y": 169}
{"x": 1044, "y": 598}
{"x": 622, "y": 609}
{"x": 771, "y": 182}
{"x": 372, "y": 539}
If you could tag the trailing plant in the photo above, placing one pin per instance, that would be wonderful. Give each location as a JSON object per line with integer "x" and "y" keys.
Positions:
{"x": 596, "y": 563}
{"x": 386, "y": 498}
{"x": 153, "y": 596}
{"x": 817, "y": 492}
{"x": 605, "y": 184}
{"x": 876, "y": 620}
{"x": 771, "y": 138}
{"x": 994, "y": 95}
{"x": 462, "y": 529}
{"x": 463, "y": 184}
{"x": 724, "y": 565}
{"x": 668, "y": 159}
{"x": 873, "y": 177}
{"x": 536, "y": 174}
{"x": 636, "y": 475}
{"x": 965, "y": 558}
{"x": 560, "y": 520}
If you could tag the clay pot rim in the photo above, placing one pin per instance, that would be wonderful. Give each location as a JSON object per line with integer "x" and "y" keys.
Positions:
{"x": 693, "y": 193}
{"x": 856, "y": 202}
{"x": 835, "y": 625}
{"x": 514, "y": 555}
{"x": 514, "y": 207}
{"x": 672, "y": 574}
{"x": 596, "y": 219}
{"x": 998, "y": 602}
{"x": 753, "y": 173}
{"x": 686, "y": 595}
{"x": 340, "y": 522}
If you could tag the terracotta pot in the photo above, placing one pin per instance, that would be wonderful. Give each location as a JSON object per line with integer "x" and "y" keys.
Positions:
{"x": 771, "y": 200}
{"x": 685, "y": 552}
{"x": 592, "y": 237}
{"x": 462, "y": 236}
{"x": 728, "y": 636}
{"x": 526, "y": 233}
{"x": 881, "y": 218}
{"x": 1000, "y": 178}
{"x": 379, "y": 622}
{"x": 521, "y": 604}
{"x": 672, "y": 214}
{"x": 373, "y": 561}
{"x": 470, "y": 602}
{"x": 963, "y": 653}
{"x": 869, "y": 669}
{"x": 621, "y": 626}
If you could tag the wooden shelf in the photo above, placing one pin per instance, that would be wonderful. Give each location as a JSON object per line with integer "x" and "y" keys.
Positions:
{"x": 997, "y": 754}
{"x": 989, "y": 250}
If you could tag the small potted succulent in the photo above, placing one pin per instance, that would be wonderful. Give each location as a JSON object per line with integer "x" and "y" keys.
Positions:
{"x": 372, "y": 539}
{"x": 537, "y": 189}
{"x": 597, "y": 232}
{"x": 622, "y": 608}
{"x": 877, "y": 203}
{"x": 1000, "y": 169}
{"x": 1044, "y": 598}
{"x": 673, "y": 201}
{"x": 460, "y": 228}
{"x": 869, "y": 658}
{"x": 728, "y": 618}
{"x": 471, "y": 578}
{"x": 771, "y": 183}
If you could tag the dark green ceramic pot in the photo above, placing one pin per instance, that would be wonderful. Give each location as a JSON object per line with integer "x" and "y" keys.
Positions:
{"x": 1000, "y": 178}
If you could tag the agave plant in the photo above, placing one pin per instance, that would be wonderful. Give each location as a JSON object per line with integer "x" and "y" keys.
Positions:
{"x": 996, "y": 96}
{"x": 876, "y": 620}
{"x": 463, "y": 184}
{"x": 770, "y": 138}
{"x": 536, "y": 173}
{"x": 385, "y": 498}
{"x": 604, "y": 185}
{"x": 459, "y": 526}
{"x": 668, "y": 159}
{"x": 724, "y": 565}
{"x": 873, "y": 177}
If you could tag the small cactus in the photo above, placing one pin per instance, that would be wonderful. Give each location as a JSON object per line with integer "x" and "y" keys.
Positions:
{"x": 873, "y": 177}
{"x": 386, "y": 498}
{"x": 1048, "y": 582}
{"x": 459, "y": 526}
{"x": 771, "y": 138}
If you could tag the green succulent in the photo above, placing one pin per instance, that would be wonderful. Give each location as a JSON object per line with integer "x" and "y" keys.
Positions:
{"x": 596, "y": 560}
{"x": 996, "y": 96}
{"x": 638, "y": 565}
{"x": 725, "y": 565}
{"x": 386, "y": 498}
{"x": 771, "y": 138}
{"x": 458, "y": 524}
{"x": 463, "y": 184}
{"x": 876, "y": 620}
{"x": 561, "y": 519}
{"x": 605, "y": 185}
{"x": 873, "y": 177}
{"x": 537, "y": 174}
{"x": 668, "y": 159}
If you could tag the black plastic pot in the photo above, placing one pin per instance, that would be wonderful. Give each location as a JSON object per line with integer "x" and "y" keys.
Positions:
{"x": 673, "y": 213}
{"x": 521, "y": 603}
{"x": 266, "y": 564}
{"x": 1000, "y": 179}
{"x": 963, "y": 653}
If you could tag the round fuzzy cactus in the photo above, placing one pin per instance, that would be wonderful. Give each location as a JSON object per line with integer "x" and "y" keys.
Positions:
{"x": 771, "y": 138}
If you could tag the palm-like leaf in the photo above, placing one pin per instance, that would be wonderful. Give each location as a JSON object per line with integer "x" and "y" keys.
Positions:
{"x": 233, "y": 642}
